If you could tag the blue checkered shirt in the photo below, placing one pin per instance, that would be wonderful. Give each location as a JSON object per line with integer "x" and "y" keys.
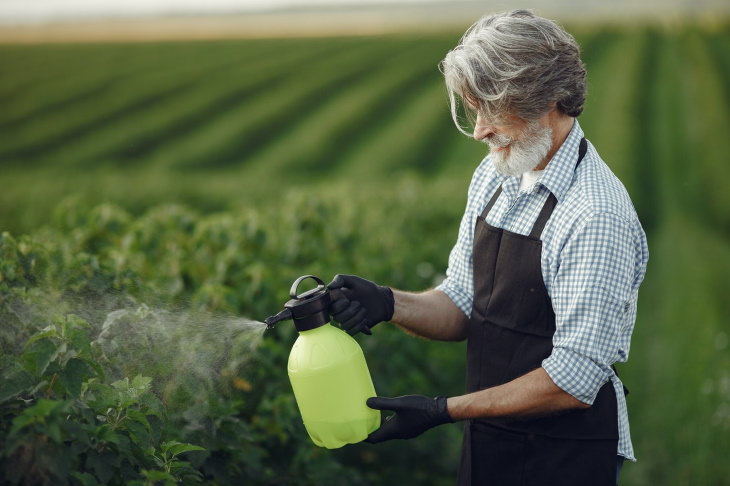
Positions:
{"x": 594, "y": 257}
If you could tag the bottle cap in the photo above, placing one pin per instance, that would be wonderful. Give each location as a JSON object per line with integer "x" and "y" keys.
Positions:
{"x": 310, "y": 309}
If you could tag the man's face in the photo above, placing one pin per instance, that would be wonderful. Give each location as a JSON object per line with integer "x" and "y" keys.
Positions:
{"x": 515, "y": 145}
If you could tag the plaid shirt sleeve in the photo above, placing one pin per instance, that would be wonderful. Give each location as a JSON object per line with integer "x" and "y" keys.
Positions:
{"x": 594, "y": 296}
{"x": 459, "y": 282}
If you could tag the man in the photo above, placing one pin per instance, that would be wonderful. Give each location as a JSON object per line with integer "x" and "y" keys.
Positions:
{"x": 542, "y": 281}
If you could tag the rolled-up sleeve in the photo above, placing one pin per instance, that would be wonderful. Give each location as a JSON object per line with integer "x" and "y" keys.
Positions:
{"x": 594, "y": 299}
{"x": 458, "y": 284}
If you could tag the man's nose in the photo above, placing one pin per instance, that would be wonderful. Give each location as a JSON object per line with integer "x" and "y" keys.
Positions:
{"x": 482, "y": 129}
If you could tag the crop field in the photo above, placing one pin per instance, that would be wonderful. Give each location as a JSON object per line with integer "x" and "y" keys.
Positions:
{"x": 171, "y": 189}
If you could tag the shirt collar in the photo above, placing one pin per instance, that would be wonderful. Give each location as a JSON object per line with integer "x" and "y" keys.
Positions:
{"x": 559, "y": 172}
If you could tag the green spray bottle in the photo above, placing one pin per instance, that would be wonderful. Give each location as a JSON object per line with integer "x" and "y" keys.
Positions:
{"x": 327, "y": 371}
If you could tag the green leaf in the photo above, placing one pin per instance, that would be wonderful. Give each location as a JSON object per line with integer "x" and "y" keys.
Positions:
{"x": 121, "y": 385}
{"x": 139, "y": 417}
{"x": 126, "y": 395}
{"x": 78, "y": 431}
{"x": 103, "y": 464}
{"x": 123, "y": 446}
{"x": 72, "y": 323}
{"x": 37, "y": 413}
{"x": 78, "y": 338}
{"x": 158, "y": 476}
{"x": 165, "y": 446}
{"x": 38, "y": 355}
{"x": 73, "y": 376}
{"x": 48, "y": 332}
{"x": 137, "y": 432}
{"x": 20, "y": 422}
{"x": 53, "y": 430}
{"x": 180, "y": 466}
{"x": 15, "y": 383}
{"x": 141, "y": 383}
{"x": 96, "y": 366}
{"x": 151, "y": 405}
{"x": 104, "y": 397}
{"x": 85, "y": 478}
{"x": 43, "y": 408}
{"x": 176, "y": 448}
{"x": 105, "y": 433}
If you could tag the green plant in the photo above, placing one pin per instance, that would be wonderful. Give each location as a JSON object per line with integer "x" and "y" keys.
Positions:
{"x": 62, "y": 423}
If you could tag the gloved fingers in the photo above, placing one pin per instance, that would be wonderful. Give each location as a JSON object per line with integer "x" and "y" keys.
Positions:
{"x": 342, "y": 280}
{"x": 388, "y": 430}
{"x": 359, "y": 327}
{"x": 414, "y": 414}
{"x": 352, "y": 313}
{"x": 339, "y": 306}
{"x": 350, "y": 320}
{"x": 385, "y": 403}
{"x": 335, "y": 293}
{"x": 352, "y": 285}
{"x": 356, "y": 321}
{"x": 342, "y": 295}
{"x": 337, "y": 282}
{"x": 351, "y": 316}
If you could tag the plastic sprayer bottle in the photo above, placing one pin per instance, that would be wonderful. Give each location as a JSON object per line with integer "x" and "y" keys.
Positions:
{"x": 328, "y": 372}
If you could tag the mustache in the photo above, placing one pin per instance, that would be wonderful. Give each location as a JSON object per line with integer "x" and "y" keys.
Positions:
{"x": 497, "y": 141}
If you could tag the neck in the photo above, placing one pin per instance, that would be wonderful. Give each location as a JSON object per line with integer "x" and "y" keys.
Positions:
{"x": 561, "y": 125}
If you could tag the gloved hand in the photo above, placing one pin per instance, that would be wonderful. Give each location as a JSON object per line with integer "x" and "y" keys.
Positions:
{"x": 359, "y": 304}
{"x": 414, "y": 414}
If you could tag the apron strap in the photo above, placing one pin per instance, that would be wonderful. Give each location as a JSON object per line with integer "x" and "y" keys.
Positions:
{"x": 545, "y": 213}
{"x": 547, "y": 208}
{"x": 491, "y": 202}
{"x": 582, "y": 150}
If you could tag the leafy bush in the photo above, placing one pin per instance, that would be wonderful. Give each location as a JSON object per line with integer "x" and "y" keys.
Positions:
{"x": 146, "y": 357}
{"x": 63, "y": 423}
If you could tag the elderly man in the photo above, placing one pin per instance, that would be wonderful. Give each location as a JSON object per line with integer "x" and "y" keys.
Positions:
{"x": 542, "y": 281}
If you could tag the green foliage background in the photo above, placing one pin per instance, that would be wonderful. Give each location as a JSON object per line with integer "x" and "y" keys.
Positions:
{"x": 205, "y": 177}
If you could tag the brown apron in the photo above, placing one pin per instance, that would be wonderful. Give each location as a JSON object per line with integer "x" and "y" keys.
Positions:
{"x": 510, "y": 333}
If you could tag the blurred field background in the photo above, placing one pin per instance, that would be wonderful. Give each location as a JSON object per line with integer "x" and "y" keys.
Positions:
{"x": 342, "y": 148}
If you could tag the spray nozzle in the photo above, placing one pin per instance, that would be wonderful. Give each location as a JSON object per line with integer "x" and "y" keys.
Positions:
{"x": 281, "y": 316}
{"x": 309, "y": 309}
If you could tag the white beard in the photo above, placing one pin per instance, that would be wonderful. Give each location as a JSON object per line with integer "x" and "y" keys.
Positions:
{"x": 525, "y": 153}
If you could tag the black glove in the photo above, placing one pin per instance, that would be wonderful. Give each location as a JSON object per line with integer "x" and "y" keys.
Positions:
{"x": 359, "y": 304}
{"x": 414, "y": 414}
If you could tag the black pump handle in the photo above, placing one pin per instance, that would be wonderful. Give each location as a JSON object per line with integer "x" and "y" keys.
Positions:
{"x": 293, "y": 290}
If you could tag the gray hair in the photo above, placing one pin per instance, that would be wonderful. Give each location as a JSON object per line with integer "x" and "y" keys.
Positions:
{"x": 514, "y": 63}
